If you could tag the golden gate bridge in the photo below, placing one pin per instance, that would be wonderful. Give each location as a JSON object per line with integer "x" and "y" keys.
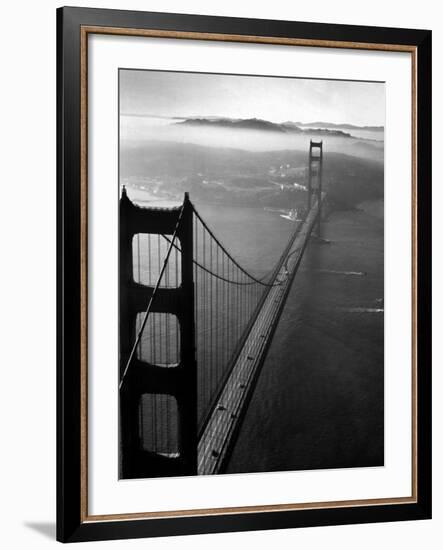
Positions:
{"x": 195, "y": 327}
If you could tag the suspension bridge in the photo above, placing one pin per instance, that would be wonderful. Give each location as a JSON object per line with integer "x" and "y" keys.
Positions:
{"x": 195, "y": 326}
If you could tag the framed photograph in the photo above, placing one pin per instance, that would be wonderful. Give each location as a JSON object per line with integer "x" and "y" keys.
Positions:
{"x": 244, "y": 270}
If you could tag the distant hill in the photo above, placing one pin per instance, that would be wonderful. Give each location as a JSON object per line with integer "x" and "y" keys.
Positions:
{"x": 320, "y": 124}
{"x": 232, "y": 123}
{"x": 260, "y": 124}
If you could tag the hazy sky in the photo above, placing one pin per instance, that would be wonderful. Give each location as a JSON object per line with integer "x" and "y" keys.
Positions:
{"x": 172, "y": 94}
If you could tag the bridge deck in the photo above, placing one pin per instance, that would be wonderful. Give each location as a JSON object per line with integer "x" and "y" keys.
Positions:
{"x": 214, "y": 444}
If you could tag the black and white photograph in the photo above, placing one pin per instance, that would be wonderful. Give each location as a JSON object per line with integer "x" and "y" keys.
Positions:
{"x": 251, "y": 273}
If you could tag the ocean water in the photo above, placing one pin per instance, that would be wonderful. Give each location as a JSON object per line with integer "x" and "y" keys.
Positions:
{"x": 319, "y": 400}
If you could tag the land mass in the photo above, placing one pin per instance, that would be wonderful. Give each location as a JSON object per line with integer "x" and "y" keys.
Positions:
{"x": 239, "y": 177}
{"x": 259, "y": 124}
{"x": 335, "y": 125}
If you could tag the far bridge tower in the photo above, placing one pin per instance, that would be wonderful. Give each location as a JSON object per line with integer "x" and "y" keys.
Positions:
{"x": 315, "y": 177}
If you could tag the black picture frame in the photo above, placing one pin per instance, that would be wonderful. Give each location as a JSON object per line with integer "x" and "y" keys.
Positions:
{"x": 72, "y": 525}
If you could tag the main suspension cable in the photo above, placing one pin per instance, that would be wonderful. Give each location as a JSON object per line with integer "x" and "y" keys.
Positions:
{"x": 254, "y": 279}
{"x": 222, "y": 278}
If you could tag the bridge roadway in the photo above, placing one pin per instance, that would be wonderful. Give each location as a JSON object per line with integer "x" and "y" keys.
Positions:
{"x": 215, "y": 443}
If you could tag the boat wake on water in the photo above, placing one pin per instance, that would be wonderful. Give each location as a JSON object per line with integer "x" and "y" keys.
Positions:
{"x": 362, "y": 309}
{"x": 291, "y": 215}
{"x": 335, "y": 272}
